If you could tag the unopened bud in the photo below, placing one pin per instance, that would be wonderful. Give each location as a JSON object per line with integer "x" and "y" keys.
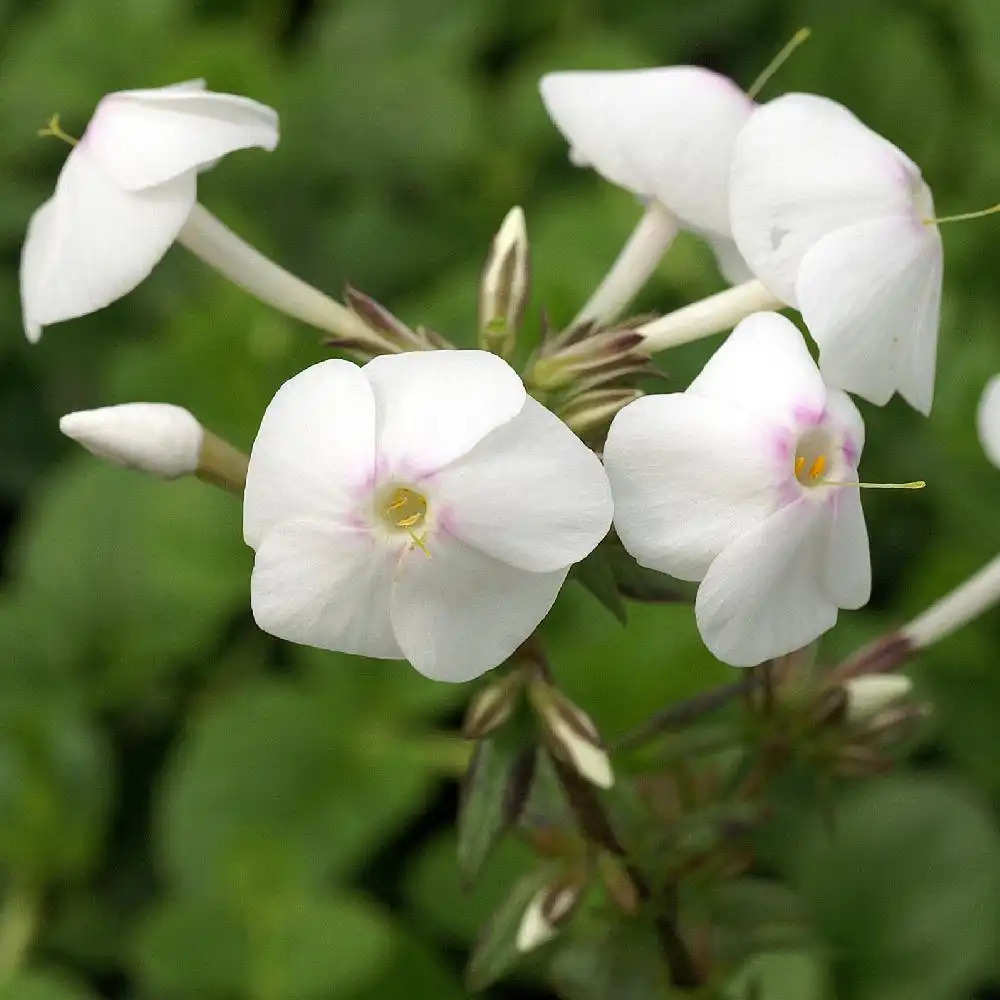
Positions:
{"x": 572, "y": 735}
{"x": 491, "y": 707}
{"x": 871, "y": 694}
{"x": 597, "y": 408}
{"x": 158, "y": 438}
{"x": 547, "y": 912}
{"x": 505, "y": 285}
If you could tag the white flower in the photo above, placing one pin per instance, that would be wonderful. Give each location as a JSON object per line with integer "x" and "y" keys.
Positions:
{"x": 832, "y": 218}
{"x": 733, "y": 483}
{"x": 421, "y": 507}
{"x": 124, "y": 193}
{"x": 665, "y": 134}
{"x": 988, "y": 420}
{"x": 158, "y": 438}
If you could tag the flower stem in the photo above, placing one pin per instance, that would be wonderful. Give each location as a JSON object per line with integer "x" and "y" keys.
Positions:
{"x": 712, "y": 315}
{"x": 19, "y": 915}
{"x": 967, "y": 601}
{"x": 219, "y": 247}
{"x": 222, "y": 465}
{"x": 637, "y": 260}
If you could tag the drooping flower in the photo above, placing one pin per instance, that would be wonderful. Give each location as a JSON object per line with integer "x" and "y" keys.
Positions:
{"x": 422, "y": 506}
{"x": 747, "y": 483}
{"x": 125, "y": 192}
{"x": 837, "y": 222}
{"x": 667, "y": 135}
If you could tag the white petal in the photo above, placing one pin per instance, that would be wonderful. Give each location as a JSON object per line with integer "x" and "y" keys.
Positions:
{"x": 145, "y": 137}
{"x": 531, "y": 493}
{"x": 870, "y": 296}
{"x": 988, "y": 420}
{"x": 434, "y": 406}
{"x": 730, "y": 262}
{"x": 764, "y": 368}
{"x": 844, "y": 415}
{"x": 803, "y": 167}
{"x": 314, "y": 455}
{"x": 848, "y": 566}
{"x": 665, "y": 133}
{"x": 93, "y": 243}
{"x": 688, "y": 477}
{"x": 460, "y": 612}
{"x": 325, "y": 586}
{"x": 764, "y": 595}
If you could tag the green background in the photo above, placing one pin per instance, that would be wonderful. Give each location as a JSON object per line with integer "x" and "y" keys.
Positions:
{"x": 204, "y": 812}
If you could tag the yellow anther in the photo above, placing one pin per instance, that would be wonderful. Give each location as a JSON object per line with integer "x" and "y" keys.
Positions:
{"x": 818, "y": 467}
{"x": 800, "y": 464}
{"x": 54, "y": 129}
{"x": 410, "y": 520}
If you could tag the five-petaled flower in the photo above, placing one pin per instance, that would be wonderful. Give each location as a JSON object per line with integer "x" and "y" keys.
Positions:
{"x": 125, "y": 192}
{"x": 838, "y": 222}
{"x": 747, "y": 483}
{"x": 665, "y": 134}
{"x": 422, "y": 506}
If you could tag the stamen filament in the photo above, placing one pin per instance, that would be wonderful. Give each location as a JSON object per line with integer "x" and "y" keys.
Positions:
{"x": 777, "y": 62}
{"x": 964, "y": 217}
{"x": 917, "y": 484}
{"x": 420, "y": 543}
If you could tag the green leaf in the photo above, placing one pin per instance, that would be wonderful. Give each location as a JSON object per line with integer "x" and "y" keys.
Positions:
{"x": 641, "y": 584}
{"x": 780, "y": 976}
{"x": 611, "y": 958}
{"x": 495, "y": 953}
{"x": 494, "y": 791}
{"x": 43, "y": 986}
{"x": 905, "y": 890}
{"x": 596, "y": 574}
{"x": 285, "y": 948}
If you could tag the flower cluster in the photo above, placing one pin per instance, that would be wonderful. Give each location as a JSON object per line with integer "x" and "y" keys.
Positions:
{"x": 424, "y": 505}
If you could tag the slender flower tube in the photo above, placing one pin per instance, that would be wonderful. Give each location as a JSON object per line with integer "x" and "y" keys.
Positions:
{"x": 422, "y": 506}
{"x": 838, "y": 222}
{"x": 747, "y": 482}
{"x": 124, "y": 193}
{"x": 665, "y": 134}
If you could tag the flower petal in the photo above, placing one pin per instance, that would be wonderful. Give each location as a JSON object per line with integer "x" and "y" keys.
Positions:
{"x": 688, "y": 477}
{"x": 460, "y": 612}
{"x": 145, "y": 137}
{"x": 93, "y": 243}
{"x": 531, "y": 493}
{"x": 764, "y": 595}
{"x": 870, "y": 294}
{"x": 728, "y": 259}
{"x": 434, "y": 406}
{"x": 845, "y": 415}
{"x": 803, "y": 167}
{"x": 765, "y": 369}
{"x": 665, "y": 133}
{"x": 988, "y": 420}
{"x": 325, "y": 586}
{"x": 314, "y": 455}
{"x": 848, "y": 566}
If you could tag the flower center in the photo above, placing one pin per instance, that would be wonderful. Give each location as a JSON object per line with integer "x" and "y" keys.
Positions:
{"x": 812, "y": 457}
{"x": 403, "y": 509}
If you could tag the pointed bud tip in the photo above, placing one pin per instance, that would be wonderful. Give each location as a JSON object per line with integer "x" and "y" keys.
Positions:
{"x": 158, "y": 438}
{"x": 870, "y": 694}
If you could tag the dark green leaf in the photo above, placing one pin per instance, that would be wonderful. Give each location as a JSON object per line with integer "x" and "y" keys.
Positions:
{"x": 596, "y": 574}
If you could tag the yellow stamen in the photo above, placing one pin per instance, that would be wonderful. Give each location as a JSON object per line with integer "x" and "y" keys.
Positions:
{"x": 420, "y": 542}
{"x": 818, "y": 467}
{"x": 55, "y": 130}
{"x": 800, "y": 464}
{"x": 964, "y": 217}
{"x": 778, "y": 61}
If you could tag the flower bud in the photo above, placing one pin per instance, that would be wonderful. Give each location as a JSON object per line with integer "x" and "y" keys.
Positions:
{"x": 505, "y": 285}
{"x": 596, "y": 408}
{"x": 547, "y": 912}
{"x": 572, "y": 735}
{"x": 158, "y": 438}
{"x": 491, "y": 707}
{"x": 869, "y": 695}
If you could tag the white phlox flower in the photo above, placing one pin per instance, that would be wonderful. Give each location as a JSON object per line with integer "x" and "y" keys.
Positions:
{"x": 124, "y": 193}
{"x": 420, "y": 507}
{"x": 837, "y": 222}
{"x": 747, "y": 482}
{"x": 666, "y": 134}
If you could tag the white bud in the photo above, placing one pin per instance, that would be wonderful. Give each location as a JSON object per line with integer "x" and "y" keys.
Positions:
{"x": 505, "y": 283}
{"x": 158, "y": 438}
{"x": 869, "y": 695}
{"x": 572, "y": 735}
{"x": 534, "y": 929}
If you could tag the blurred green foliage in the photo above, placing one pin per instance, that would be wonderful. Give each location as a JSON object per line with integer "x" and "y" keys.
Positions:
{"x": 189, "y": 809}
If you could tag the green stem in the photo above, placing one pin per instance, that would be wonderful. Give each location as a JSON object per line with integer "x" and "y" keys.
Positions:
{"x": 19, "y": 918}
